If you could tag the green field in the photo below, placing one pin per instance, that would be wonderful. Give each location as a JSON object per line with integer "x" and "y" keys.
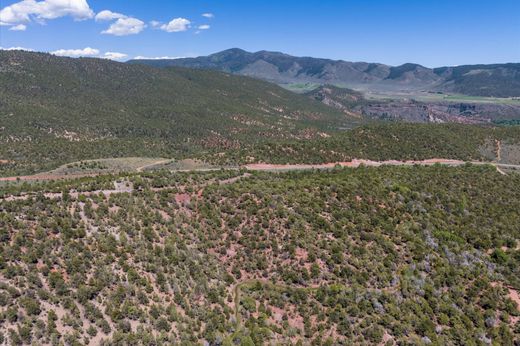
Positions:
{"x": 434, "y": 97}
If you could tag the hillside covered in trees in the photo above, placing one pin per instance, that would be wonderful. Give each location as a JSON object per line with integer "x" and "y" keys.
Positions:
{"x": 387, "y": 255}
{"x": 385, "y": 141}
{"x": 56, "y": 110}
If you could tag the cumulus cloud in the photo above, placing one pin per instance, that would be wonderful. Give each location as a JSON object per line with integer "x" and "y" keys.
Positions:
{"x": 27, "y": 10}
{"x": 176, "y": 25}
{"x": 208, "y": 15}
{"x": 204, "y": 27}
{"x": 19, "y": 27}
{"x": 89, "y": 52}
{"x": 77, "y": 52}
{"x": 114, "y": 55}
{"x": 125, "y": 26}
{"x": 108, "y": 15}
{"x": 17, "y": 48}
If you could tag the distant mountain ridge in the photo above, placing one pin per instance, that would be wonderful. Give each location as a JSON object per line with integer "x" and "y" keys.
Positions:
{"x": 496, "y": 80}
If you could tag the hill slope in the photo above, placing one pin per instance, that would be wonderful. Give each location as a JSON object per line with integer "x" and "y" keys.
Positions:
{"x": 483, "y": 80}
{"x": 500, "y": 80}
{"x": 413, "y": 256}
{"x": 56, "y": 109}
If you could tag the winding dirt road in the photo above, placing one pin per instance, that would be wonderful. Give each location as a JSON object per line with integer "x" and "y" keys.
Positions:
{"x": 281, "y": 168}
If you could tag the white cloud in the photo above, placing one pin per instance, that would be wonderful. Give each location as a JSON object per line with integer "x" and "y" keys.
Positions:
{"x": 77, "y": 52}
{"x": 208, "y": 15}
{"x": 89, "y": 52}
{"x": 17, "y": 48}
{"x": 204, "y": 27}
{"x": 19, "y": 27}
{"x": 176, "y": 25}
{"x": 108, "y": 15}
{"x": 158, "y": 57}
{"x": 125, "y": 26}
{"x": 114, "y": 55}
{"x": 27, "y": 10}
{"x": 85, "y": 52}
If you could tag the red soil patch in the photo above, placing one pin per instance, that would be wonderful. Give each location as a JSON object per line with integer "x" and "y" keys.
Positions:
{"x": 514, "y": 296}
{"x": 182, "y": 198}
{"x": 301, "y": 254}
{"x": 513, "y": 293}
{"x": 164, "y": 215}
{"x": 353, "y": 163}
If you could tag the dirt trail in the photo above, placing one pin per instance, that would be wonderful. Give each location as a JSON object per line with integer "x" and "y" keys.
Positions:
{"x": 280, "y": 168}
{"x": 499, "y": 150}
{"x": 122, "y": 187}
{"x": 354, "y": 163}
{"x": 369, "y": 163}
{"x": 140, "y": 169}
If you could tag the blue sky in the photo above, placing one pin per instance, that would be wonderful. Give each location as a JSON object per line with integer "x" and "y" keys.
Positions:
{"x": 429, "y": 32}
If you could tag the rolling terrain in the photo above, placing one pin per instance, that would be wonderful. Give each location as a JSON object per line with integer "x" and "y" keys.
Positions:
{"x": 499, "y": 80}
{"x": 57, "y": 110}
{"x": 181, "y": 206}
{"x": 386, "y": 141}
{"x": 412, "y": 255}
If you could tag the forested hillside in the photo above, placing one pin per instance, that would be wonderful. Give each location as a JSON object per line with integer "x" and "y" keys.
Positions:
{"x": 389, "y": 255}
{"x": 60, "y": 110}
{"x": 383, "y": 141}
{"x": 57, "y": 110}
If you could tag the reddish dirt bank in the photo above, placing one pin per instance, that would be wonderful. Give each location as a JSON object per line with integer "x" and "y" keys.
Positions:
{"x": 353, "y": 163}
{"x": 275, "y": 167}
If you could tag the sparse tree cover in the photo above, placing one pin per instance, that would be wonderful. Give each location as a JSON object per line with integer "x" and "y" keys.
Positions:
{"x": 389, "y": 255}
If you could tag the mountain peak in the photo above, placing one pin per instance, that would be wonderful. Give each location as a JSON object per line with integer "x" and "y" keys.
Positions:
{"x": 282, "y": 68}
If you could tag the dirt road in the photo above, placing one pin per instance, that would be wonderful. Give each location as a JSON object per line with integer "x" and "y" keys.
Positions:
{"x": 369, "y": 163}
{"x": 281, "y": 168}
{"x": 142, "y": 168}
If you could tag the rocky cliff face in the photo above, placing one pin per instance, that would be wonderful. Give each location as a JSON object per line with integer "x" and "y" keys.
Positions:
{"x": 353, "y": 102}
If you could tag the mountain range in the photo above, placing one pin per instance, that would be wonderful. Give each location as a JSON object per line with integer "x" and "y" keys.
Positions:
{"x": 496, "y": 80}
